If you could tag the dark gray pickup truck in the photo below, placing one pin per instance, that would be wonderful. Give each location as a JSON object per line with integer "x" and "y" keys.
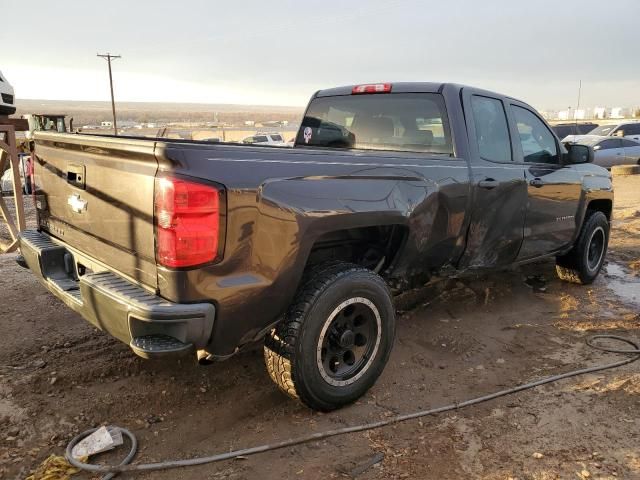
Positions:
{"x": 179, "y": 246}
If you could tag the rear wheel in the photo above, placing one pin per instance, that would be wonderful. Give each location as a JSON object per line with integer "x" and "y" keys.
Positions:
{"x": 583, "y": 263}
{"x": 335, "y": 339}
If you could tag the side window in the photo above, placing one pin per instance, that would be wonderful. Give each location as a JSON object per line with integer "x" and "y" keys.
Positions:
{"x": 609, "y": 144}
{"x": 492, "y": 132}
{"x": 629, "y": 143}
{"x": 633, "y": 129}
{"x": 538, "y": 143}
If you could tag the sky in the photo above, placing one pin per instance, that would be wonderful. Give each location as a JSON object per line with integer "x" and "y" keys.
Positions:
{"x": 280, "y": 52}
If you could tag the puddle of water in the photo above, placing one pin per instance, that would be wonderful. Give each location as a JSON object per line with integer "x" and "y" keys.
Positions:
{"x": 622, "y": 284}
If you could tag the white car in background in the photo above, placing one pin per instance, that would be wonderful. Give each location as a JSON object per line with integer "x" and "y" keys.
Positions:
{"x": 630, "y": 130}
{"x": 7, "y": 99}
{"x": 265, "y": 139}
{"x": 612, "y": 151}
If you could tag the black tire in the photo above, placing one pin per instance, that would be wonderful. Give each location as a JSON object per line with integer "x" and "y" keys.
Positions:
{"x": 338, "y": 305}
{"x": 583, "y": 263}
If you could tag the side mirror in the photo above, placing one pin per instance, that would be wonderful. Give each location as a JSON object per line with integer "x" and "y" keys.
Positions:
{"x": 577, "y": 153}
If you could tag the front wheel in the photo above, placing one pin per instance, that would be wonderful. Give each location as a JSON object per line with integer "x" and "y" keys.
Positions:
{"x": 335, "y": 340}
{"x": 583, "y": 263}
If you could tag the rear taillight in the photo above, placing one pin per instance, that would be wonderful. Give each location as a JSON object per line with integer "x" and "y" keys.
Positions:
{"x": 187, "y": 222}
{"x": 372, "y": 88}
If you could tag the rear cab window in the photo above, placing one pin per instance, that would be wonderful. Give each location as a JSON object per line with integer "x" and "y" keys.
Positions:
{"x": 492, "y": 131}
{"x": 404, "y": 122}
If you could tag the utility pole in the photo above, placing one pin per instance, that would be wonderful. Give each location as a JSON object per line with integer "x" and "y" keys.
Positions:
{"x": 108, "y": 58}
{"x": 579, "y": 93}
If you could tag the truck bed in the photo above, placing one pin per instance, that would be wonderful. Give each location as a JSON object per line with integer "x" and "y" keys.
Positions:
{"x": 276, "y": 204}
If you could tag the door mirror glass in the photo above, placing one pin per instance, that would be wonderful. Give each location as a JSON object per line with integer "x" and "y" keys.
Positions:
{"x": 579, "y": 153}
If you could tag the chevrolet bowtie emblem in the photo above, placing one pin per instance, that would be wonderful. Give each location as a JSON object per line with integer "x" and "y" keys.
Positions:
{"x": 77, "y": 204}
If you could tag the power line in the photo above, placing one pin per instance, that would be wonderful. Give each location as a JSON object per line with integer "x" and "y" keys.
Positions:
{"x": 108, "y": 57}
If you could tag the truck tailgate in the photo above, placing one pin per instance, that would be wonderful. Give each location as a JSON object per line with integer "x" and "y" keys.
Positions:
{"x": 96, "y": 194}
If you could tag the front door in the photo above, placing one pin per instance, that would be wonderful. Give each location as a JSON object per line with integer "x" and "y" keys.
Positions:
{"x": 553, "y": 189}
{"x": 609, "y": 152}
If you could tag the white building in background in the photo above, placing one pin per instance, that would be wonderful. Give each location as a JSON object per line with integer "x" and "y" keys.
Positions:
{"x": 249, "y": 123}
{"x": 106, "y": 124}
{"x": 617, "y": 112}
{"x": 563, "y": 115}
{"x": 600, "y": 112}
{"x": 579, "y": 114}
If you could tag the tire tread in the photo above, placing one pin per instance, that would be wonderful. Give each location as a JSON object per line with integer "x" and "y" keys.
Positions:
{"x": 280, "y": 343}
{"x": 569, "y": 267}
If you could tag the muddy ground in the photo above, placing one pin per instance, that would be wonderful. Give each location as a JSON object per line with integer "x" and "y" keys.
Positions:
{"x": 59, "y": 376}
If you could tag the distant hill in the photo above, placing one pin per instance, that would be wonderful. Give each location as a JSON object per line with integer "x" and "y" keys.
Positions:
{"x": 94, "y": 112}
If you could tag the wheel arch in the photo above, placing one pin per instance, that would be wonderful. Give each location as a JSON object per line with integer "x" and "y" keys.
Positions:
{"x": 376, "y": 246}
{"x": 604, "y": 205}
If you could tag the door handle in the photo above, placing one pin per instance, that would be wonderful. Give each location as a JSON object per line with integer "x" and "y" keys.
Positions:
{"x": 488, "y": 183}
{"x": 536, "y": 182}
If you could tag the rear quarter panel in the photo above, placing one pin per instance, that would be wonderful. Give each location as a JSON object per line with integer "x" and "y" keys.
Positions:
{"x": 279, "y": 201}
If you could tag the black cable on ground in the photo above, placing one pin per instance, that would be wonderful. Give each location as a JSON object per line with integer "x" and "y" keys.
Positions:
{"x": 113, "y": 470}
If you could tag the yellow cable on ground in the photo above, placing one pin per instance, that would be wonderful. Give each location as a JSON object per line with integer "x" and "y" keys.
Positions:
{"x": 55, "y": 467}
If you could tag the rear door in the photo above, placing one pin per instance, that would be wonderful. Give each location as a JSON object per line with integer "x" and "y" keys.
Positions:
{"x": 96, "y": 194}
{"x": 553, "y": 189}
{"x": 498, "y": 188}
{"x": 631, "y": 151}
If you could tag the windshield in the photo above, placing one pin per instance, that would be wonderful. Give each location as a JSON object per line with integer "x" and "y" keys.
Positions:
{"x": 602, "y": 130}
{"x": 593, "y": 141}
{"x": 406, "y": 122}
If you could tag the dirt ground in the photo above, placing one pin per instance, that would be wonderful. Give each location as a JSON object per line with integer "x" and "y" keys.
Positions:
{"x": 59, "y": 376}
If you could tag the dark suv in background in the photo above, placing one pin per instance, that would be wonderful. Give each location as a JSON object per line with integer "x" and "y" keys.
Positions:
{"x": 564, "y": 129}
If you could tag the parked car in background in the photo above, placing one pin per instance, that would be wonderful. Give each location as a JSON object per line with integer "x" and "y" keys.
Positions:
{"x": 629, "y": 130}
{"x": 614, "y": 151}
{"x": 7, "y": 100}
{"x": 563, "y": 130}
{"x": 264, "y": 139}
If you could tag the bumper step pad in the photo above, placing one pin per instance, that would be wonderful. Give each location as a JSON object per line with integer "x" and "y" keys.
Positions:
{"x": 152, "y": 345}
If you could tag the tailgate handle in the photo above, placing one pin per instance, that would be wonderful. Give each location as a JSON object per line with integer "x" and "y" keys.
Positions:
{"x": 76, "y": 176}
